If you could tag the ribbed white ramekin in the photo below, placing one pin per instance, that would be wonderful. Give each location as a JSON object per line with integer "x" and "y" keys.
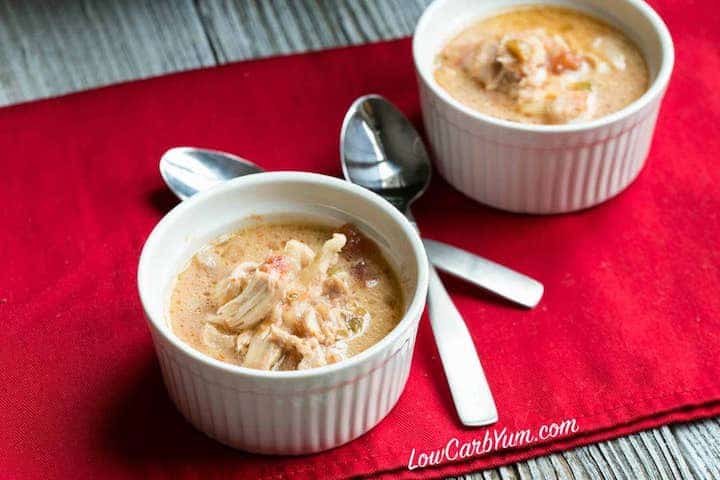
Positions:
{"x": 540, "y": 168}
{"x": 282, "y": 412}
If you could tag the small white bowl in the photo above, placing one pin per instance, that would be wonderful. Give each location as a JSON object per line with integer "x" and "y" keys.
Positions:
{"x": 540, "y": 168}
{"x": 289, "y": 412}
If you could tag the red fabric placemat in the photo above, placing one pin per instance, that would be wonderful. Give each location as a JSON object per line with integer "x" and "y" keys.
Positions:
{"x": 626, "y": 338}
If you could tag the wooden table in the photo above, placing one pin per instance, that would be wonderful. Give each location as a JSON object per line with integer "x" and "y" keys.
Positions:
{"x": 50, "y": 48}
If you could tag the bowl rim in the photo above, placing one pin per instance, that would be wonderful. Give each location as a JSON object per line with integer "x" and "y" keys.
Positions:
{"x": 414, "y": 309}
{"x": 655, "y": 90}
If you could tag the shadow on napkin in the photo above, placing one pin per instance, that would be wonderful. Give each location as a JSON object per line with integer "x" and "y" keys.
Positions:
{"x": 143, "y": 424}
{"x": 162, "y": 199}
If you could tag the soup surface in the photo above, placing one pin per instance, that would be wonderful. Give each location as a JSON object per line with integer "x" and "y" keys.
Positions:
{"x": 285, "y": 296}
{"x": 541, "y": 64}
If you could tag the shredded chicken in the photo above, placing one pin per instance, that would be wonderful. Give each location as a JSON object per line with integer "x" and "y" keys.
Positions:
{"x": 313, "y": 353}
{"x": 254, "y": 303}
{"x": 609, "y": 49}
{"x": 243, "y": 342}
{"x": 569, "y": 105}
{"x": 336, "y": 285}
{"x": 540, "y": 71}
{"x": 315, "y": 273}
{"x": 262, "y": 352}
{"x": 264, "y": 287}
{"x": 231, "y": 286}
{"x": 219, "y": 343}
{"x": 291, "y": 306}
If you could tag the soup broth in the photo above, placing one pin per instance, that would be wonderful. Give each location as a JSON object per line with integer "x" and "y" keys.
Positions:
{"x": 542, "y": 64}
{"x": 285, "y": 296}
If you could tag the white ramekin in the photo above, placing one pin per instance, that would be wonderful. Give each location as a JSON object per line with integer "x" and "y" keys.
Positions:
{"x": 540, "y": 168}
{"x": 282, "y": 412}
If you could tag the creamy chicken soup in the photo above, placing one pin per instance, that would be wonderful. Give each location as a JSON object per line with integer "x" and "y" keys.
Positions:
{"x": 541, "y": 64}
{"x": 286, "y": 296}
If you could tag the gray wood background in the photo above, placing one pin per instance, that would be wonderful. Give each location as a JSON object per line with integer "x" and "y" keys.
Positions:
{"x": 49, "y": 48}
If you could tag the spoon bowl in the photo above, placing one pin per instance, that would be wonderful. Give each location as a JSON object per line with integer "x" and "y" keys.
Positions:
{"x": 188, "y": 170}
{"x": 382, "y": 151}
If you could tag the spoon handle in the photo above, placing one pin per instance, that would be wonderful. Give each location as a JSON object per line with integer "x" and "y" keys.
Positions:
{"x": 468, "y": 385}
{"x": 485, "y": 273}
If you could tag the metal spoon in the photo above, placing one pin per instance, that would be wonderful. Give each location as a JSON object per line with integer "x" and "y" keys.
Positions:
{"x": 188, "y": 170}
{"x": 382, "y": 151}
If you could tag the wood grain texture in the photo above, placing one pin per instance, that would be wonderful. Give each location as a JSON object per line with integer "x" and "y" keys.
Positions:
{"x": 243, "y": 29}
{"x": 50, "y": 48}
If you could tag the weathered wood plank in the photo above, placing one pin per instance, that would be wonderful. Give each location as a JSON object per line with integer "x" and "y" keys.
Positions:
{"x": 243, "y": 29}
{"x": 50, "y": 48}
{"x": 649, "y": 455}
{"x": 699, "y": 443}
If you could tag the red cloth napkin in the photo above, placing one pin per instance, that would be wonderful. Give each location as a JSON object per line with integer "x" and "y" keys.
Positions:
{"x": 626, "y": 337}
